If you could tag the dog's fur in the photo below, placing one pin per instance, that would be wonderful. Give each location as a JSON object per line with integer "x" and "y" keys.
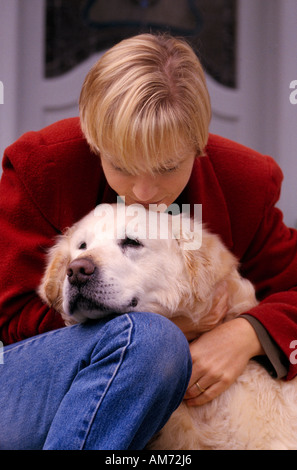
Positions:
{"x": 162, "y": 276}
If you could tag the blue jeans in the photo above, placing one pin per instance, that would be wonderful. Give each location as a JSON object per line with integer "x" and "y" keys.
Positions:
{"x": 110, "y": 384}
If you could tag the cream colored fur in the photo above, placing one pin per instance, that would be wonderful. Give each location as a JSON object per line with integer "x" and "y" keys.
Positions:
{"x": 256, "y": 412}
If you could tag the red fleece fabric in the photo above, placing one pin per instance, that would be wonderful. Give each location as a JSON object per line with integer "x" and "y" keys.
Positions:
{"x": 51, "y": 179}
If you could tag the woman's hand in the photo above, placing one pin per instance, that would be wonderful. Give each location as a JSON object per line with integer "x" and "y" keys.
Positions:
{"x": 219, "y": 357}
{"x": 221, "y": 353}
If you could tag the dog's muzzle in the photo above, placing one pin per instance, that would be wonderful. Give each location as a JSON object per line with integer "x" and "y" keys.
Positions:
{"x": 90, "y": 294}
{"x": 80, "y": 271}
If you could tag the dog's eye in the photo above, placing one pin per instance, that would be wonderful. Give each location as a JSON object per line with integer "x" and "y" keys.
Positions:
{"x": 130, "y": 242}
{"x": 82, "y": 246}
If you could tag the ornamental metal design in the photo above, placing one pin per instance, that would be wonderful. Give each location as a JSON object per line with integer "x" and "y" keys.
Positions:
{"x": 77, "y": 29}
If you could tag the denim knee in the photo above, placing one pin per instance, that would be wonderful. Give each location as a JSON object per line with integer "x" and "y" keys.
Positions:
{"x": 134, "y": 373}
{"x": 162, "y": 351}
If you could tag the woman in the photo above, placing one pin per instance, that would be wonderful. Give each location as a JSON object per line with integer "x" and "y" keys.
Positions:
{"x": 144, "y": 115}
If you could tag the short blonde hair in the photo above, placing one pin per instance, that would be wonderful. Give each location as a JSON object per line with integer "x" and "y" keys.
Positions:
{"x": 145, "y": 103}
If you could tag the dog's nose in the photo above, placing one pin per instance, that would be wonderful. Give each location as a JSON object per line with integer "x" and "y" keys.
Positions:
{"x": 80, "y": 270}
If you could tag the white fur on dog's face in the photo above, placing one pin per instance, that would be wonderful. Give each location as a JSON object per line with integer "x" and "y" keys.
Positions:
{"x": 132, "y": 271}
{"x": 128, "y": 270}
{"x": 147, "y": 263}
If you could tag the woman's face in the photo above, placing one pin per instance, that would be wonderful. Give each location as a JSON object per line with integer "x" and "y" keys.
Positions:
{"x": 146, "y": 188}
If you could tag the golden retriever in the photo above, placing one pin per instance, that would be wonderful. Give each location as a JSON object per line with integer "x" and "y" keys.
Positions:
{"x": 119, "y": 259}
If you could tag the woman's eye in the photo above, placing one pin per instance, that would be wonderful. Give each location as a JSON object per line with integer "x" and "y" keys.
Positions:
{"x": 163, "y": 171}
{"x": 82, "y": 246}
{"x": 173, "y": 168}
{"x": 123, "y": 171}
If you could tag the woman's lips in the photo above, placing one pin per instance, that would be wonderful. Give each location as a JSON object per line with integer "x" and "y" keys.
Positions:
{"x": 145, "y": 204}
{"x": 148, "y": 204}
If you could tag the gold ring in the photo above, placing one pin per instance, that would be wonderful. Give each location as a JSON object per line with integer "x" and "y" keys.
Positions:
{"x": 201, "y": 389}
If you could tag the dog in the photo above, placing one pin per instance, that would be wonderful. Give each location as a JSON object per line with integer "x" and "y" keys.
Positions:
{"x": 119, "y": 259}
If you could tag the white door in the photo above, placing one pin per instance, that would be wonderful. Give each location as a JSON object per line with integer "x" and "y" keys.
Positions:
{"x": 257, "y": 113}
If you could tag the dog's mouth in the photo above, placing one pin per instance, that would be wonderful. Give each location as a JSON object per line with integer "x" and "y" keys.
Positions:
{"x": 80, "y": 306}
{"x": 79, "y": 303}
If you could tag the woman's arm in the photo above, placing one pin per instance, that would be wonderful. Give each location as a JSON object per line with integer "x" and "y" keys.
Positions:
{"x": 25, "y": 236}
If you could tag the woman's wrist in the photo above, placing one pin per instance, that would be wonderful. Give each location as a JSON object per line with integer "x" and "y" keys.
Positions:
{"x": 249, "y": 337}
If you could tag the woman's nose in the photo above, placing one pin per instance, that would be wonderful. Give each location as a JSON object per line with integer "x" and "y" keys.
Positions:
{"x": 145, "y": 188}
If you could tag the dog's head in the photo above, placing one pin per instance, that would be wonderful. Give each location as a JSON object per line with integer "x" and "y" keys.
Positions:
{"x": 123, "y": 258}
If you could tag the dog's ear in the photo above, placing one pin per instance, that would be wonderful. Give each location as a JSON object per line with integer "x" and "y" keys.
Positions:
{"x": 207, "y": 260}
{"x": 50, "y": 289}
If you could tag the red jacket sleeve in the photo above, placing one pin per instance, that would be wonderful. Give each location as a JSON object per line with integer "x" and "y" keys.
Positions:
{"x": 25, "y": 236}
{"x": 37, "y": 202}
{"x": 252, "y": 226}
{"x": 271, "y": 264}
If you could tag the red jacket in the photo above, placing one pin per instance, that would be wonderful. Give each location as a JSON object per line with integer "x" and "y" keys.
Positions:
{"x": 51, "y": 179}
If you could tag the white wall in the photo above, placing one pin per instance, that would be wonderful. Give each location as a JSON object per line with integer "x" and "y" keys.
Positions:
{"x": 286, "y": 112}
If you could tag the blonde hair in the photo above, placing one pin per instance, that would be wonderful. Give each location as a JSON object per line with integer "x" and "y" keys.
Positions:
{"x": 145, "y": 103}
